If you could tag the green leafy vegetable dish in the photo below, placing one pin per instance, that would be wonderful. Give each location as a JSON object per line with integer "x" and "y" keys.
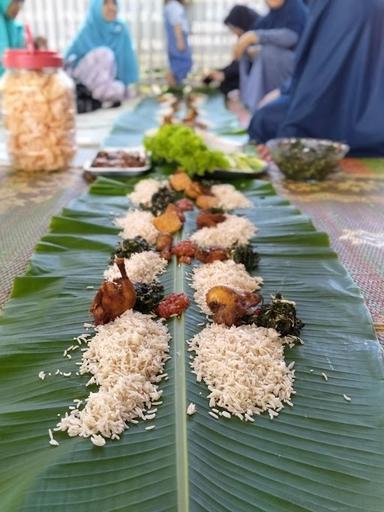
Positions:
{"x": 181, "y": 145}
{"x": 307, "y": 159}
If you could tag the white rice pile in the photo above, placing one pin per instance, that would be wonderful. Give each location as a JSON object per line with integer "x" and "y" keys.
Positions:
{"x": 244, "y": 369}
{"x": 222, "y": 273}
{"x": 138, "y": 223}
{"x": 233, "y": 230}
{"x": 230, "y": 198}
{"x": 144, "y": 191}
{"x": 126, "y": 359}
{"x": 143, "y": 267}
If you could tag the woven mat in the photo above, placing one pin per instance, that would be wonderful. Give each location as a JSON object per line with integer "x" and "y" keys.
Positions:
{"x": 350, "y": 208}
{"x": 28, "y": 201}
{"x": 27, "y": 204}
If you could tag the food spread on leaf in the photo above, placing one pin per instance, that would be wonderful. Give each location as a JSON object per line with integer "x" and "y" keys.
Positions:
{"x": 221, "y": 249}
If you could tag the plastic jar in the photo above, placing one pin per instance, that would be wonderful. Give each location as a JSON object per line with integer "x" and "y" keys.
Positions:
{"x": 39, "y": 110}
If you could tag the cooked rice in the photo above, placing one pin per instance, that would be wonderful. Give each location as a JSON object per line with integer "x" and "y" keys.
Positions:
{"x": 144, "y": 191}
{"x": 98, "y": 440}
{"x": 125, "y": 359}
{"x": 191, "y": 409}
{"x": 244, "y": 369}
{"x": 138, "y": 223}
{"x": 142, "y": 267}
{"x": 222, "y": 273}
{"x": 234, "y": 230}
{"x": 230, "y": 198}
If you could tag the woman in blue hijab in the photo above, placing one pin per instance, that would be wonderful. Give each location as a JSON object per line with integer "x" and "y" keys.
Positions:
{"x": 11, "y": 32}
{"x": 102, "y": 57}
{"x": 266, "y": 53}
{"x": 337, "y": 90}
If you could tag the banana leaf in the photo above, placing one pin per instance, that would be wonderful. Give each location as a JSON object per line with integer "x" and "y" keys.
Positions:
{"x": 323, "y": 455}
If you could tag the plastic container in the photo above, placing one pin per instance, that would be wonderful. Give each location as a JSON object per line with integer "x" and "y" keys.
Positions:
{"x": 38, "y": 103}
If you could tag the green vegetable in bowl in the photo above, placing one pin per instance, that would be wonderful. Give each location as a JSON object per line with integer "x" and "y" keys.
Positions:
{"x": 306, "y": 159}
{"x": 181, "y": 145}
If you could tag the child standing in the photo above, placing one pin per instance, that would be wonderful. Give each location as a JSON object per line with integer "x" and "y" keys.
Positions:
{"x": 179, "y": 51}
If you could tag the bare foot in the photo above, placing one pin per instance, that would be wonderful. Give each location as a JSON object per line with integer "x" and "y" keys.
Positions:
{"x": 171, "y": 80}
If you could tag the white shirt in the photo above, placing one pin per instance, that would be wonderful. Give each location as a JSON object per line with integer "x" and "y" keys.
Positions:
{"x": 177, "y": 15}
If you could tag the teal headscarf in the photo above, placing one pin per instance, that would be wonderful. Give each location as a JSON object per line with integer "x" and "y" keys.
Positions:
{"x": 11, "y": 32}
{"x": 97, "y": 32}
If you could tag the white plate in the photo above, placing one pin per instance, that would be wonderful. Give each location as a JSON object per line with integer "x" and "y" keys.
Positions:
{"x": 118, "y": 171}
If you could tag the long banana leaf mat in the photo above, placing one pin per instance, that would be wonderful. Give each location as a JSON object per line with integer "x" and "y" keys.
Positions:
{"x": 349, "y": 207}
{"x": 323, "y": 454}
{"x": 326, "y": 453}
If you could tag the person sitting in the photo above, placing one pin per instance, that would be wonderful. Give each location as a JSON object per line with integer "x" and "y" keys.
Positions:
{"x": 337, "y": 86}
{"x": 266, "y": 54}
{"x": 11, "y": 31}
{"x": 101, "y": 59}
{"x": 179, "y": 51}
{"x": 240, "y": 19}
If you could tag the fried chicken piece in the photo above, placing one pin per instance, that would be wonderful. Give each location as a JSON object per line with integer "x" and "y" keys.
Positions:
{"x": 211, "y": 255}
{"x": 164, "y": 241}
{"x": 169, "y": 222}
{"x": 229, "y": 307}
{"x": 114, "y": 298}
{"x": 180, "y": 181}
{"x": 164, "y": 244}
{"x": 209, "y": 219}
{"x": 206, "y": 201}
{"x": 195, "y": 190}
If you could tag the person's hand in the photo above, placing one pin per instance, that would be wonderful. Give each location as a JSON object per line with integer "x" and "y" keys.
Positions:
{"x": 247, "y": 39}
{"x": 264, "y": 153}
{"x": 217, "y": 76}
{"x": 271, "y": 96}
{"x": 253, "y": 51}
{"x": 181, "y": 45}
